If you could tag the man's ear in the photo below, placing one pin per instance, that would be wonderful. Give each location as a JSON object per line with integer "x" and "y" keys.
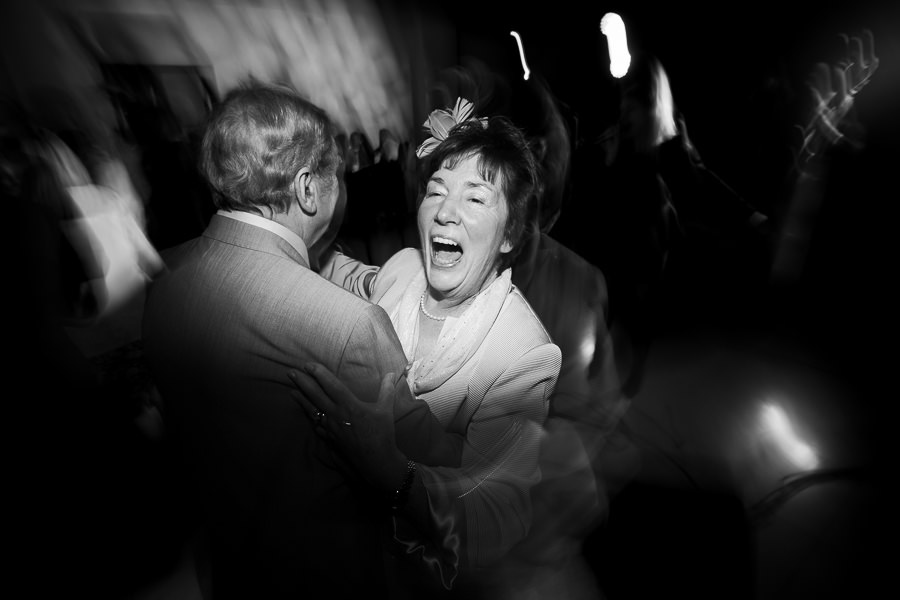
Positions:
{"x": 305, "y": 191}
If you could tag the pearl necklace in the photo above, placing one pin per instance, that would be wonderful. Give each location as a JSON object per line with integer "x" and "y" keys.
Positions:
{"x": 425, "y": 312}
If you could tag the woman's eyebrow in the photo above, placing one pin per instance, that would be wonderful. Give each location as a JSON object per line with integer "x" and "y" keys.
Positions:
{"x": 479, "y": 184}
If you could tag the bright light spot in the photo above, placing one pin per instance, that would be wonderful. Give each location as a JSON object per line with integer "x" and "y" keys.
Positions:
{"x": 803, "y": 456}
{"x": 612, "y": 26}
{"x": 587, "y": 348}
{"x": 773, "y": 418}
{"x": 776, "y": 426}
{"x": 521, "y": 54}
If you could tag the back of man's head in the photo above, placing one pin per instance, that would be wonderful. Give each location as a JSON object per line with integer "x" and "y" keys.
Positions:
{"x": 257, "y": 139}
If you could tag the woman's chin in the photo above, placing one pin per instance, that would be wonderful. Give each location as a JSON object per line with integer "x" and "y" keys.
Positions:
{"x": 444, "y": 280}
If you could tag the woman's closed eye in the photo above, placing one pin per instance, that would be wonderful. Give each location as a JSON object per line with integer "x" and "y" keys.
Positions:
{"x": 434, "y": 192}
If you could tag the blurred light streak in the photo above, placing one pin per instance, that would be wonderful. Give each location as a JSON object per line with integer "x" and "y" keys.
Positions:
{"x": 774, "y": 425}
{"x": 525, "y": 70}
{"x": 340, "y": 54}
{"x": 612, "y": 26}
{"x": 588, "y": 345}
{"x": 768, "y": 448}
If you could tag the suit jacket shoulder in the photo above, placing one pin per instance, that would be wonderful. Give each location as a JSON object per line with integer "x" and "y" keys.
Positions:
{"x": 393, "y": 277}
{"x": 519, "y": 322}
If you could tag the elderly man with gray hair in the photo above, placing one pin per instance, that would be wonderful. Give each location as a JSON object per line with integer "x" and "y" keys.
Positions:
{"x": 236, "y": 308}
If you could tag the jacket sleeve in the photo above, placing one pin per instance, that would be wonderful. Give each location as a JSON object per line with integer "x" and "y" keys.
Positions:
{"x": 349, "y": 273}
{"x": 373, "y": 350}
{"x": 466, "y": 518}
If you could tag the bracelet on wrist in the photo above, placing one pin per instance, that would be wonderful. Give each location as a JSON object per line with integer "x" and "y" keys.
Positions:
{"x": 400, "y": 496}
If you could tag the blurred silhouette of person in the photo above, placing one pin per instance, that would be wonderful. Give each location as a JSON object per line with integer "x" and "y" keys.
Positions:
{"x": 60, "y": 276}
{"x": 829, "y": 127}
{"x": 361, "y": 152}
{"x": 49, "y": 291}
{"x": 74, "y": 435}
{"x": 236, "y": 308}
{"x": 388, "y": 146}
{"x": 102, "y": 217}
{"x": 54, "y": 171}
{"x": 377, "y": 216}
{"x": 834, "y": 221}
{"x": 665, "y": 229}
{"x": 584, "y": 459}
{"x": 107, "y": 209}
{"x": 178, "y": 205}
{"x": 714, "y": 219}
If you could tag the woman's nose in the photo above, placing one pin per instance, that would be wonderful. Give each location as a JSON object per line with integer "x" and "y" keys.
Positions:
{"x": 448, "y": 210}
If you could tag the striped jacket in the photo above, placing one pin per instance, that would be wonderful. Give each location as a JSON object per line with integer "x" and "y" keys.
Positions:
{"x": 498, "y": 400}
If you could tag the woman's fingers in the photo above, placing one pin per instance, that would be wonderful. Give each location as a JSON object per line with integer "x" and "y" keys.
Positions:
{"x": 309, "y": 387}
{"x": 340, "y": 417}
{"x": 324, "y": 392}
{"x": 331, "y": 386}
{"x": 311, "y": 399}
{"x": 304, "y": 403}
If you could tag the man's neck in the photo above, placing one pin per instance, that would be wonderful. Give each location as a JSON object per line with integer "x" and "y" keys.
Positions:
{"x": 297, "y": 222}
{"x": 286, "y": 221}
{"x": 282, "y": 224}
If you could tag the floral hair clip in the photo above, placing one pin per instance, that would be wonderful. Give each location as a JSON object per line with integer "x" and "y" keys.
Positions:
{"x": 441, "y": 121}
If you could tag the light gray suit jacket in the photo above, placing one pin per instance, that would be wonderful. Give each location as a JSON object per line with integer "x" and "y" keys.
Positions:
{"x": 237, "y": 308}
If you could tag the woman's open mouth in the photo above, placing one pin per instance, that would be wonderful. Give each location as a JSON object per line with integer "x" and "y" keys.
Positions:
{"x": 445, "y": 252}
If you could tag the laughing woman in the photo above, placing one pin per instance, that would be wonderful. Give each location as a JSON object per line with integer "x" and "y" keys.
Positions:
{"x": 478, "y": 354}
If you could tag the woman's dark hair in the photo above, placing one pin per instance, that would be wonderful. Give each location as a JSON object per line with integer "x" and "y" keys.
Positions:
{"x": 504, "y": 159}
{"x": 257, "y": 139}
